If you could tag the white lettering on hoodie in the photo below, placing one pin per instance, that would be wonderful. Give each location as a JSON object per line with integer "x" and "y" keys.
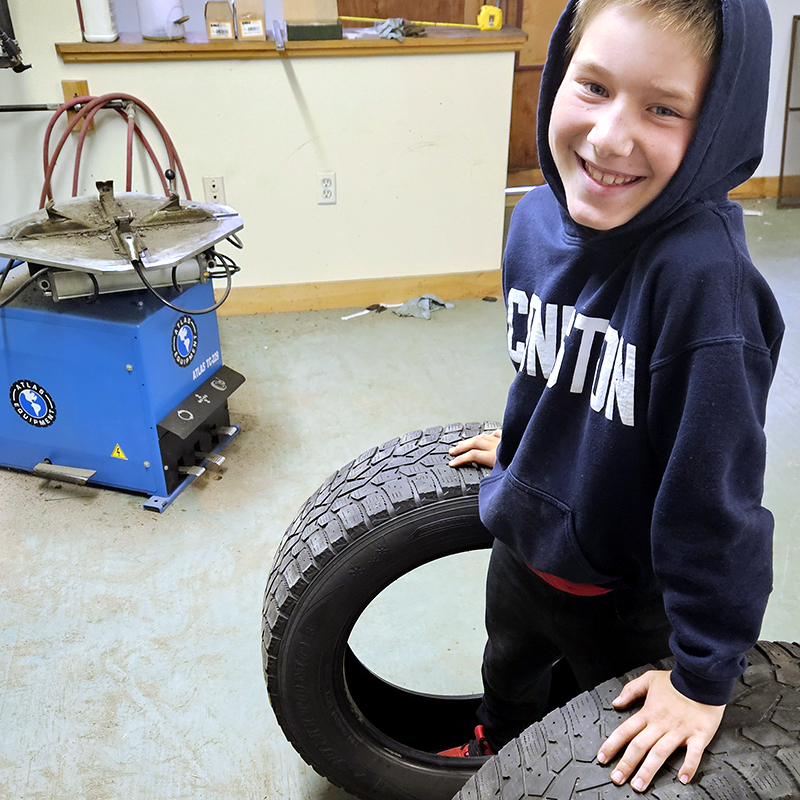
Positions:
{"x": 614, "y": 367}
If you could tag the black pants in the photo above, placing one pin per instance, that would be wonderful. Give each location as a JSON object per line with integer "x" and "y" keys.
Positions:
{"x": 531, "y": 625}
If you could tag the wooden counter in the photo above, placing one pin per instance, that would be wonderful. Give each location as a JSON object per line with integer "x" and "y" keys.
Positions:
{"x": 359, "y": 42}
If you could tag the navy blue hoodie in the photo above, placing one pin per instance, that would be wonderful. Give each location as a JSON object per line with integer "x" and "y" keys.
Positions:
{"x": 633, "y": 448}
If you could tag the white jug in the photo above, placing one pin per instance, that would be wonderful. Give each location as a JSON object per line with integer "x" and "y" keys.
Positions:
{"x": 161, "y": 19}
{"x": 99, "y": 20}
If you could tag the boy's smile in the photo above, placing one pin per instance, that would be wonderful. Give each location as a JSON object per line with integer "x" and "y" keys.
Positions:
{"x": 624, "y": 115}
{"x": 607, "y": 178}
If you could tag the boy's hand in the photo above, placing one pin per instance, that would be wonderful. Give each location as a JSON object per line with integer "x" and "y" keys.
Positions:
{"x": 481, "y": 449}
{"x": 667, "y": 720}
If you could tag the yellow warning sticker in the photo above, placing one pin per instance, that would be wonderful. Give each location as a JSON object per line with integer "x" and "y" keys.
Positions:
{"x": 117, "y": 453}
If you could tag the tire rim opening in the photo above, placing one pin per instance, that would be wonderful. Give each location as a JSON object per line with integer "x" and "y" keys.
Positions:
{"x": 412, "y": 666}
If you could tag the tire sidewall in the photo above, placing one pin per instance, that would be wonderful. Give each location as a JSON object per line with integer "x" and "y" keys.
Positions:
{"x": 341, "y": 743}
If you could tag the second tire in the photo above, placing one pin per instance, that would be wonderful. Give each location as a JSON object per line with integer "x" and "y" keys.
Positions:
{"x": 391, "y": 510}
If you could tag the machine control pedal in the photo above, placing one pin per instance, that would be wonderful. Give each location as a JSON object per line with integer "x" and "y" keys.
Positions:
{"x": 214, "y": 459}
{"x": 225, "y": 430}
{"x": 194, "y": 471}
{"x": 58, "y": 472}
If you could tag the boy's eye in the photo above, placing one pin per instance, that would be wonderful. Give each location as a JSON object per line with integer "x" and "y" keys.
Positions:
{"x": 663, "y": 111}
{"x": 595, "y": 88}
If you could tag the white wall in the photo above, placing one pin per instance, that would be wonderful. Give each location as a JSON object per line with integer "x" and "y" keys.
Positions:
{"x": 419, "y": 145}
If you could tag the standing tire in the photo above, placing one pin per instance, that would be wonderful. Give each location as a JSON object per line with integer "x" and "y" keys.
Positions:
{"x": 391, "y": 510}
{"x": 754, "y": 756}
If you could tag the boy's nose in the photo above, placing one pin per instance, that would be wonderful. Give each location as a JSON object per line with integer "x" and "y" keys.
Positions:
{"x": 611, "y": 134}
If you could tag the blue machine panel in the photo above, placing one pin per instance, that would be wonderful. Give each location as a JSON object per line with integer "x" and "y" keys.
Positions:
{"x": 86, "y": 384}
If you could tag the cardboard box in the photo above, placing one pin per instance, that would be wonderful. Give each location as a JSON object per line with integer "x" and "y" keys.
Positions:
{"x": 249, "y": 18}
{"x": 306, "y": 11}
{"x": 219, "y": 21}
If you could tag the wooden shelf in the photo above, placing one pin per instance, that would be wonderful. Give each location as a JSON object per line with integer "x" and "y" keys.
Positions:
{"x": 360, "y": 42}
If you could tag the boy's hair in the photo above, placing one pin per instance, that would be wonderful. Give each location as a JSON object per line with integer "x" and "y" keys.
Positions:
{"x": 699, "y": 21}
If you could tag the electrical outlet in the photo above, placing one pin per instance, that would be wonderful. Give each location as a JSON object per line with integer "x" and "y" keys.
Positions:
{"x": 214, "y": 189}
{"x": 326, "y": 188}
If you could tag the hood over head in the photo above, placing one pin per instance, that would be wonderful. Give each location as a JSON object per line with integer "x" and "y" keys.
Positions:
{"x": 729, "y": 141}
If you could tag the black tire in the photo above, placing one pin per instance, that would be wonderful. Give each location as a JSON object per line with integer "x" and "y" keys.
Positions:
{"x": 754, "y": 756}
{"x": 391, "y": 510}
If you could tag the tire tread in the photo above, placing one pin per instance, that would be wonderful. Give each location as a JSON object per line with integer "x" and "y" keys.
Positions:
{"x": 754, "y": 756}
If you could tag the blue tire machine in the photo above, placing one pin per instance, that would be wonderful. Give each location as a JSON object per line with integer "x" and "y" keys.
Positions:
{"x": 111, "y": 362}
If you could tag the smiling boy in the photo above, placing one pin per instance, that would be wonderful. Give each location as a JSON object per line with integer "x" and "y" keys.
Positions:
{"x": 625, "y": 113}
{"x": 625, "y": 498}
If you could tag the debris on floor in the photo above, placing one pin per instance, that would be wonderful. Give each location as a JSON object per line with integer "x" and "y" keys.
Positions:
{"x": 421, "y": 307}
{"x": 378, "y": 308}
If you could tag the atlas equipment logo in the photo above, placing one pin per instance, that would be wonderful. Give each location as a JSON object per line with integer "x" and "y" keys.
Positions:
{"x": 184, "y": 341}
{"x": 33, "y": 403}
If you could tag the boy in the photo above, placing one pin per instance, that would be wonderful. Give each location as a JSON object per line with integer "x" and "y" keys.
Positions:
{"x": 625, "y": 498}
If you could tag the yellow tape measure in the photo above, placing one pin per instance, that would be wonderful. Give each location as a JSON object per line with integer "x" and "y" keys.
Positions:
{"x": 490, "y": 18}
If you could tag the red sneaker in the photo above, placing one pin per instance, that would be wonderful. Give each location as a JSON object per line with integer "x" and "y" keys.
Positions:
{"x": 479, "y": 746}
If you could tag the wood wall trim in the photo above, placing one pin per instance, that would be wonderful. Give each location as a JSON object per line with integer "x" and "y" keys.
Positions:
{"x": 763, "y": 187}
{"x": 360, "y": 293}
{"x": 131, "y": 47}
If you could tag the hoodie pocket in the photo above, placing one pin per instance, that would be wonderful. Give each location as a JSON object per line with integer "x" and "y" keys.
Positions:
{"x": 538, "y": 527}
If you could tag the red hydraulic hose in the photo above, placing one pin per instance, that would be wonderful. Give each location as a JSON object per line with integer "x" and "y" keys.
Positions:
{"x": 49, "y": 163}
{"x": 94, "y": 107}
{"x": 149, "y": 149}
{"x": 89, "y": 108}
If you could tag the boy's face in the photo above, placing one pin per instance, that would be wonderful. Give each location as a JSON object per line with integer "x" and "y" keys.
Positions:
{"x": 624, "y": 116}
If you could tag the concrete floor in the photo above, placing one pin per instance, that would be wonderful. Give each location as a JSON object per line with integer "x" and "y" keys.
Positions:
{"x": 130, "y": 659}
